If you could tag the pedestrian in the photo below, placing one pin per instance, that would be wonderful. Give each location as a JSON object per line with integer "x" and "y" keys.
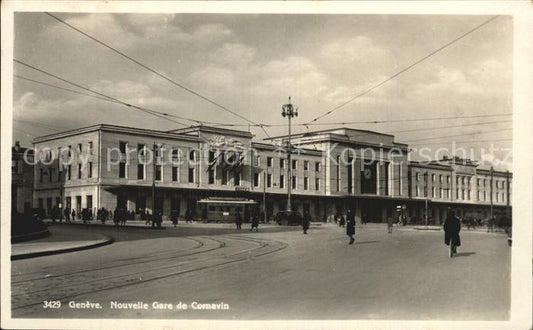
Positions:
{"x": 174, "y": 217}
{"x": 255, "y": 223}
{"x": 490, "y": 224}
{"x": 73, "y": 214}
{"x": 148, "y": 217}
{"x": 350, "y": 226}
{"x": 66, "y": 213}
{"x": 390, "y": 222}
{"x": 452, "y": 227}
{"x": 342, "y": 221}
{"x": 305, "y": 222}
{"x": 238, "y": 220}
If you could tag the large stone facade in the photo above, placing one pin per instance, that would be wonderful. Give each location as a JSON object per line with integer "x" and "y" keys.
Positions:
{"x": 331, "y": 171}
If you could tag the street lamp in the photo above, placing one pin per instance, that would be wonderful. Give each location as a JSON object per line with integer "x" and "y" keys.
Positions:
{"x": 289, "y": 111}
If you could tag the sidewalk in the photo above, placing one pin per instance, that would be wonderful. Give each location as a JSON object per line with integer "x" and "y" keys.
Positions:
{"x": 58, "y": 241}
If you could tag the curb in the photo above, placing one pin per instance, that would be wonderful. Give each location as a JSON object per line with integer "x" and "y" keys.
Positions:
{"x": 103, "y": 226}
{"x": 107, "y": 240}
{"x": 30, "y": 236}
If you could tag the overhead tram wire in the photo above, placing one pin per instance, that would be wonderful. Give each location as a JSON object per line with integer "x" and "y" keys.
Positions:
{"x": 379, "y": 121}
{"x": 455, "y": 126}
{"x": 458, "y": 135}
{"x": 405, "y": 69}
{"x": 157, "y": 73}
{"x": 148, "y": 111}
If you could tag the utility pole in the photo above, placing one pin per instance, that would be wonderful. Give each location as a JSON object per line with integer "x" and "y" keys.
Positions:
{"x": 153, "y": 183}
{"x": 426, "y": 195}
{"x": 289, "y": 111}
{"x": 264, "y": 197}
{"x": 491, "y": 204}
{"x": 508, "y": 193}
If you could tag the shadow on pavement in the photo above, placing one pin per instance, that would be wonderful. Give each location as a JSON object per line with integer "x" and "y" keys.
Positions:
{"x": 464, "y": 254}
{"x": 366, "y": 242}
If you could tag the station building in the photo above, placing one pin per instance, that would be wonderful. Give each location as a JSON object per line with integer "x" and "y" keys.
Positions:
{"x": 331, "y": 171}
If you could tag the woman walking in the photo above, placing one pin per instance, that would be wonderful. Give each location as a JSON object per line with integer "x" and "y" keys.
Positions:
{"x": 350, "y": 226}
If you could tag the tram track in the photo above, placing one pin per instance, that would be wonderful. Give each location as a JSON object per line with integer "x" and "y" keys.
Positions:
{"x": 26, "y": 297}
{"x": 156, "y": 257}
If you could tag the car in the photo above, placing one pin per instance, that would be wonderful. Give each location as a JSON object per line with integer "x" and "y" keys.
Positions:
{"x": 289, "y": 218}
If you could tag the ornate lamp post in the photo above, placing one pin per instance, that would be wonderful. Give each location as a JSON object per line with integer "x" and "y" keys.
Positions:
{"x": 289, "y": 111}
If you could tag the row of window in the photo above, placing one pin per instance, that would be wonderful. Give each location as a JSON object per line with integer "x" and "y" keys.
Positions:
{"x": 46, "y": 153}
{"x": 67, "y": 172}
{"x": 294, "y": 165}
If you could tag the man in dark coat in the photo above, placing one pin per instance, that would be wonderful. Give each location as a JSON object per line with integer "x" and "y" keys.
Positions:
{"x": 255, "y": 222}
{"x": 238, "y": 219}
{"x": 350, "y": 226}
{"x": 305, "y": 222}
{"x": 452, "y": 227}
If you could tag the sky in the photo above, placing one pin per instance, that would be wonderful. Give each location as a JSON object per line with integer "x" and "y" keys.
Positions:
{"x": 252, "y": 63}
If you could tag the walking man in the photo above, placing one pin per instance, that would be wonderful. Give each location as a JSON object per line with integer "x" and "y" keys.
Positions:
{"x": 390, "y": 223}
{"x": 255, "y": 222}
{"x": 305, "y": 222}
{"x": 350, "y": 226}
{"x": 238, "y": 220}
{"x": 452, "y": 227}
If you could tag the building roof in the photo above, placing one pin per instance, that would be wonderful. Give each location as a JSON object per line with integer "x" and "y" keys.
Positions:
{"x": 210, "y": 129}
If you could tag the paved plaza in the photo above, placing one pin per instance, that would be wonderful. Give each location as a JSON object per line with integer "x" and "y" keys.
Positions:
{"x": 276, "y": 273}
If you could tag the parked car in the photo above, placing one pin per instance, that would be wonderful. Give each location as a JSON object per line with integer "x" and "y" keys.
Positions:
{"x": 286, "y": 218}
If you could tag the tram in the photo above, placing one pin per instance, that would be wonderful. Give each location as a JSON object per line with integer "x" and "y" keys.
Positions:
{"x": 223, "y": 209}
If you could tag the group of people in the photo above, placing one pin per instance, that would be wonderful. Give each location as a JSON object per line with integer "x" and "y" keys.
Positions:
{"x": 254, "y": 222}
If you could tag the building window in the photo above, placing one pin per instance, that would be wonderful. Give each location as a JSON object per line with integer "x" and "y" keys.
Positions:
{"x": 79, "y": 171}
{"x": 192, "y": 155}
{"x": 80, "y": 149}
{"x": 269, "y": 180}
{"x": 211, "y": 176}
{"x": 269, "y": 161}
{"x": 432, "y": 192}
{"x": 69, "y": 171}
{"x": 432, "y": 177}
{"x": 317, "y": 167}
{"x": 122, "y": 170}
{"x": 440, "y": 193}
{"x": 447, "y": 179}
{"x": 175, "y": 155}
{"x": 237, "y": 178}
{"x": 317, "y": 184}
{"x": 484, "y": 195}
{"x": 281, "y": 163}
{"x": 462, "y": 194}
{"x": 306, "y": 165}
{"x": 89, "y": 199}
{"x": 191, "y": 174}
{"x": 51, "y": 174}
{"x": 306, "y": 183}
{"x": 158, "y": 172}
{"x": 122, "y": 147}
{"x": 294, "y": 164}
{"x": 157, "y": 151}
{"x": 293, "y": 182}
{"x": 69, "y": 151}
{"x": 282, "y": 181}
{"x": 440, "y": 178}
{"x": 90, "y": 170}
{"x": 225, "y": 175}
{"x": 256, "y": 179}
{"x": 468, "y": 194}
{"x": 417, "y": 176}
{"x": 41, "y": 174}
{"x": 174, "y": 173}
{"x": 457, "y": 179}
{"x": 478, "y": 195}
{"x": 141, "y": 149}
{"x": 338, "y": 173}
{"x": 478, "y": 182}
{"x": 258, "y": 161}
{"x": 90, "y": 147}
{"x": 140, "y": 172}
